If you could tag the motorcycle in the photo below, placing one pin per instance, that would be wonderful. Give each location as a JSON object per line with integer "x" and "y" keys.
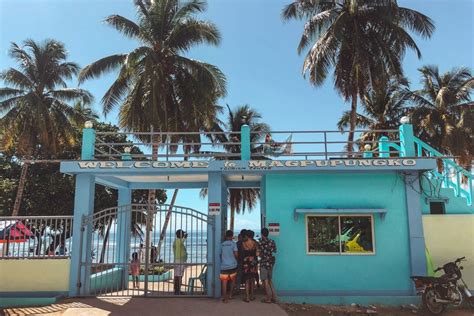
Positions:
{"x": 439, "y": 292}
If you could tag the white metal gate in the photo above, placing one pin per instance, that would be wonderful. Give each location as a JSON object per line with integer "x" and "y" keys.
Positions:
{"x": 112, "y": 237}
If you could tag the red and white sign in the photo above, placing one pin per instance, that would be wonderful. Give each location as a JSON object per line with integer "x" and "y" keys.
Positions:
{"x": 274, "y": 229}
{"x": 214, "y": 209}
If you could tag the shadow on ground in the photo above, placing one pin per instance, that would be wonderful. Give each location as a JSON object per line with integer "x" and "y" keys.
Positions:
{"x": 151, "y": 306}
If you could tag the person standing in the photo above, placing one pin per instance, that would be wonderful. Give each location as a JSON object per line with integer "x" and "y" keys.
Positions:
{"x": 180, "y": 257}
{"x": 154, "y": 254}
{"x": 229, "y": 257}
{"x": 240, "y": 260}
{"x": 251, "y": 235}
{"x": 249, "y": 265}
{"x": 267, "y": 261}
{"x": 135, "y": 270}
{"x": 141, "y": 253}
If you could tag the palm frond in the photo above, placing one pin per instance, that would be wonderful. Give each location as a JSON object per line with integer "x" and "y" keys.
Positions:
{"x": 123, "y": 25}
{"x": 101, "y": 66}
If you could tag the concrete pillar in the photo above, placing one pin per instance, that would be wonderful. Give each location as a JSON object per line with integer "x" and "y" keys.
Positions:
{"x": 81, "y": 241}
{"x": 216, "y": 187}
{"x": 384, "y": 148}
{"x": 245, "y": 142}
{"x": 88, "y": 142}
{"x": 407, "y": 140}
{"x": 367, "y": 152}
{"x": 124, "y": 222}
{"x": 415, "y": 224}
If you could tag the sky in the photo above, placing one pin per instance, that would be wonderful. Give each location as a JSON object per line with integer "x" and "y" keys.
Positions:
{"x": 257, "y": 54}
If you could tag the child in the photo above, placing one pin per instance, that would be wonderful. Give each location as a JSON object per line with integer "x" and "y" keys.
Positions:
{"x": 135, "y": 269}
{"x": 229, "y": 256}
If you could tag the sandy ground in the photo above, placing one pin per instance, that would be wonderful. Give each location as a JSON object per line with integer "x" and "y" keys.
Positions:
{"x": 206, "y": 306}
{"x": 310, "y": 310}
{"x": 151, "y": 306}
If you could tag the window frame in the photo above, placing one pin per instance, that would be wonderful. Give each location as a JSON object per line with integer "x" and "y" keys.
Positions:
{"x": 340, "y": 253}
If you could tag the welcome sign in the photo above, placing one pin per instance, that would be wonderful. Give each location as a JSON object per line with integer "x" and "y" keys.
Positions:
{"x": 248, "y": 165}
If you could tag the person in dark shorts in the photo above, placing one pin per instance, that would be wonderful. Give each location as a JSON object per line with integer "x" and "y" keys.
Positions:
{"x": 251, "y": 235}
{"x": 250, "y": 265}
{"x": 229, "y": 256}
{"x": 240, "y": 257}
{"x": 267, "y": 261}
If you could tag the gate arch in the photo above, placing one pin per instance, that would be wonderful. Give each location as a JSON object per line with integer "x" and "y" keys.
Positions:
{"x": 110, "y": 237}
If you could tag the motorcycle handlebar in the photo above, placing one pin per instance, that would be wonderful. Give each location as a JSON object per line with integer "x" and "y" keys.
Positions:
{"x": 460, "y": 259}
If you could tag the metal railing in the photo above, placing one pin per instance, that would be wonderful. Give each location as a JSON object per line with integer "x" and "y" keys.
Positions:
{"x": 228, "y": 145}
{"x": 323, "y": 144}
{"x": 35, "y": 237}
{"x": 450, "y": 174}
{"x": 181, "y": 145}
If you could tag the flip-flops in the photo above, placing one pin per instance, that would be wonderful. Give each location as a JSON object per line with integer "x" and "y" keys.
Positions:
{"x": 264, "y": 300}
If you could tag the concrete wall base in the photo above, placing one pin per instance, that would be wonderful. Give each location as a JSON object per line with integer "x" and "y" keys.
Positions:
{"x": 26, "y": 299}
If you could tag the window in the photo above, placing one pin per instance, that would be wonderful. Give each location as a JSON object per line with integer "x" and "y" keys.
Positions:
{"x": 437, "y": 208}
{"x": 340, "y": 234}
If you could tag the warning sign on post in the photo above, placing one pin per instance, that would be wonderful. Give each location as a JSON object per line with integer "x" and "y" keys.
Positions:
{"x": 214, "y": 209}
{"x": 274, "y": 229}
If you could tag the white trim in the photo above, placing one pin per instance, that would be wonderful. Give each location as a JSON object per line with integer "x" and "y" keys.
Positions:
{"x": 340, "y": 253}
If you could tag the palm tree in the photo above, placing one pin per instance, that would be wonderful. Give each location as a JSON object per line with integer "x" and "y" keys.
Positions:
{"x": 443, "y": 112}
{"x": 158, "y": 87}
{"x": 87, "y": 114}
{"x": 361, "y": 40}
{"x": 383, "y": 105}
{"x": 241, "y": 200}
{"x": 37, "y": 116}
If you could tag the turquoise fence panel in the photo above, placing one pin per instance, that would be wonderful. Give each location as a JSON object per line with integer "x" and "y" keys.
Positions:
{"x": 451, "y": 175}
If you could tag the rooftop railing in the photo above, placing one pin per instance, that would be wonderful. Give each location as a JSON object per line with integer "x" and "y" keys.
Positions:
{"x": 242, "y": 145}
{"x": 285, "y": 145}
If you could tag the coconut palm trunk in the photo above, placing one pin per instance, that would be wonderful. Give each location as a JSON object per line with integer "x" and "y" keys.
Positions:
{"x": 151, "y": 202}
{"x": 232, "y": 219}
{"x": 106, "y": 240}
{"x": 353, "y": 121}
{"x": 166, "y": 223}
{"x": 21, "y": 189}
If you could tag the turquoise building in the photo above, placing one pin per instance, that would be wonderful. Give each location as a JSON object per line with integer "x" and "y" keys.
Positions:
{"x": 349, "y": 228}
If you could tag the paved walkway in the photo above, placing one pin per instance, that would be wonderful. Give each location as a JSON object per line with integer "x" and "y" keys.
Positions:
{"x": 152, "y": 306}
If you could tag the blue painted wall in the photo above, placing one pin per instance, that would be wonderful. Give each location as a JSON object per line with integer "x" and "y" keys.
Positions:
{"x": 387, "y": 271}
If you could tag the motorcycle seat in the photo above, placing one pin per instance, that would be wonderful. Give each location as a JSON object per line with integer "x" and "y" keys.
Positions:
{"x": 430, "y": 279}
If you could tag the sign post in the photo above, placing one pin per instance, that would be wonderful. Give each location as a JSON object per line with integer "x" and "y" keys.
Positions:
{"x": 274, "y": 229}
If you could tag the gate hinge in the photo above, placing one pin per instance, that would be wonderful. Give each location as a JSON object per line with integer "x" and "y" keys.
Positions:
{"x": 79, "y": 284}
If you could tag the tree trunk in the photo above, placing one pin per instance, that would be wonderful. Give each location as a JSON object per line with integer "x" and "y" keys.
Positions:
{"x": 151, "y": 200}
{"x": 21, "y": 188}
{"x": 165, "y": 224}
{"x": 106, "y": 240}
{"x": 232, "y": 219}
{"x": 353, "y": 121}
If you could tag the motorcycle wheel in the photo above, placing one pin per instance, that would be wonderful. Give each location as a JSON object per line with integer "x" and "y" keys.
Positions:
{"x": 470, "y": 302}
{"x": 429, "y": 302}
